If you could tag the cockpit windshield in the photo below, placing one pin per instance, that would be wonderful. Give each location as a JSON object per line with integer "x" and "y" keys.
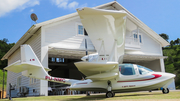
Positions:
{"x": 126, "y": 69}
{"x": 143, "y": 70}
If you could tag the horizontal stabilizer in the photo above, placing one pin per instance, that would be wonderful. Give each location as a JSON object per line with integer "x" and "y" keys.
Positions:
{"x": 18, "y": 67}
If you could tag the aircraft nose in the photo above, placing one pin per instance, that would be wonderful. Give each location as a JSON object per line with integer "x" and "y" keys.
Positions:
{"x": 169, "y": 75}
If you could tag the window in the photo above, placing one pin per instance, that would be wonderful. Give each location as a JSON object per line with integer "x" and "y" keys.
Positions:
{"x": 32, "y": 81}
{"x": 127, "y": 69}
{"x": 143, "y": 70}
{"x": 59, "y": 59}
{"x": 81, "y": 30}
{"x": 135, "y": 37}
{"x": 19, "y": 81}
{"x": 140, "y": 40}
{"x": 53, "y": 59}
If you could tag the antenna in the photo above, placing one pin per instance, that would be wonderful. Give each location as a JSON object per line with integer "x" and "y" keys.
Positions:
{"x": 34, "y": 17}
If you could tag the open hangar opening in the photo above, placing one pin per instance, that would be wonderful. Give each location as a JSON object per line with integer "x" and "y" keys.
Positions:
{"x": 149, "y": 61}
{"x": 61, "y": 64}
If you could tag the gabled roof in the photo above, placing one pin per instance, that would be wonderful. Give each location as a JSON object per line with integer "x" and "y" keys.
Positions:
{"x": 114, "y": 5}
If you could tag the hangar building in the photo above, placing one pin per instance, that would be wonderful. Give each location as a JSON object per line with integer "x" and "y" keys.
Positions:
{"x": 60, "y": 42}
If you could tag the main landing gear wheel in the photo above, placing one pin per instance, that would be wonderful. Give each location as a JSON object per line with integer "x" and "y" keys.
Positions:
{"x": 110, "y": 94}
{"x": 165, "y": 90}
{"x": 113, "y": 94}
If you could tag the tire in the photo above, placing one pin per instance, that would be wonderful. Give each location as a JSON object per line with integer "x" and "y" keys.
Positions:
{"x": 19, "y": 94}
{"x": 165, "y": 91}
{"x": 109, "y": 94}
{"x": 88, "y": 94}
{"x": 113, "y": 94}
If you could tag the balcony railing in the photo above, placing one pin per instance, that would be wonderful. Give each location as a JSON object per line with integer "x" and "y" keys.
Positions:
{"x": 131, "y": 42}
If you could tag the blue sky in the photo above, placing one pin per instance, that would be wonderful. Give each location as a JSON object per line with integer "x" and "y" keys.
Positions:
{"x": 162, "y": 16}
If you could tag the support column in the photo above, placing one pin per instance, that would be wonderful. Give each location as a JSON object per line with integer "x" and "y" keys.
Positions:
{"x": 44, "y": 61}
{"x": 162, "y": 65}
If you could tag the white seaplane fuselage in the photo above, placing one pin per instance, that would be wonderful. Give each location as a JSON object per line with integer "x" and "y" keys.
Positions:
{"x": 125, "y": 83}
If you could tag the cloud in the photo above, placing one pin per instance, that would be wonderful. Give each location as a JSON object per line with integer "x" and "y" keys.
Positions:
{"x": 65, "y": 4}
{"x": 73, "y": 4}
{"x": 32, "y": 10}
{"x": 7, "y": 6}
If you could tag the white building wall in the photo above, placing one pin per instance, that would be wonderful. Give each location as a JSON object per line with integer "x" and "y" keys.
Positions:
{"x": 35, "y": 43}
{"x": 64, "y": 35}
{"x": 149, "y": 45}
{"x": 12, "y": 77}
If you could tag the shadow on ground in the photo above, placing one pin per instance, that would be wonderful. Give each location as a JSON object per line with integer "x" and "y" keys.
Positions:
{"x": 103, "y": 97}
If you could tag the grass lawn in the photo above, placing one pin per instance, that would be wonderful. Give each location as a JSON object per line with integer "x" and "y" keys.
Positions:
{"x": 136, "y": 96}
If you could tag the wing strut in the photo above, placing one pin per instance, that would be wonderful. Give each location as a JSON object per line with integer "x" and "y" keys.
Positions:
{"x": 99, "y": 52}
{"x": 113, "y": 51}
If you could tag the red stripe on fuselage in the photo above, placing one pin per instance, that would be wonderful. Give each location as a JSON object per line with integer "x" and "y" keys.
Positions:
{"x": 155, "y": 77}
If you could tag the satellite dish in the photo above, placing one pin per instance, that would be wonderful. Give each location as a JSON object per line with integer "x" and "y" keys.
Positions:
{"x": 34, "y": 17}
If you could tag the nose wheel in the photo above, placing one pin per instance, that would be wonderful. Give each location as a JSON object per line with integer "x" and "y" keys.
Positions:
{"x": 165, "y": 90}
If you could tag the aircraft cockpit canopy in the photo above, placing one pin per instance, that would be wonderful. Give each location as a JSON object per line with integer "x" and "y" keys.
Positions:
{"x": 128, "y": 69}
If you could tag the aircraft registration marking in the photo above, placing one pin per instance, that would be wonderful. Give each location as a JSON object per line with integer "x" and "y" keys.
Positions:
{"x": 55, "y": 79}
{"x": 128, "y": 86}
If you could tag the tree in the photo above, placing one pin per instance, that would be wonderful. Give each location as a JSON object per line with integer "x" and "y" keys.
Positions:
{"x": 172, "y": 43}
{"x": 172, "y": 63}
{"x": 178, "y": 41}
{"x": 4, "y": 48}
{"x": 164, "y": 36}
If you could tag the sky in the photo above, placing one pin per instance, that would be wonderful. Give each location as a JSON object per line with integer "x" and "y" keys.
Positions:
{"x": 162, "y": 16}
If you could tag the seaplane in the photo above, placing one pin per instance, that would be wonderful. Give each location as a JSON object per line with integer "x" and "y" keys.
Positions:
{"x": 104, "y": 70}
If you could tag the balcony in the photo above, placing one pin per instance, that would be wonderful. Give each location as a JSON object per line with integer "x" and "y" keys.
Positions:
{"x": 132, "y": 43}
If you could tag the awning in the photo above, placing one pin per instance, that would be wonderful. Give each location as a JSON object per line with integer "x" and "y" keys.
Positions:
{"x": 68, "y": 53}
{"x": 140, "y": 57}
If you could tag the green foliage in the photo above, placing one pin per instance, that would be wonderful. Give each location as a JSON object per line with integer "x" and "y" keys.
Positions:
{"x": 164, "y": 36}
{"x": 4, "y": 48}
{"x": 172, "y": 63}
{"x": 1, "y": 79}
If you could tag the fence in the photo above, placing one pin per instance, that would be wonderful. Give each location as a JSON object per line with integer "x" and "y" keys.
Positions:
{"x": 2, "y": 93}
{"x": 2, "y": 84}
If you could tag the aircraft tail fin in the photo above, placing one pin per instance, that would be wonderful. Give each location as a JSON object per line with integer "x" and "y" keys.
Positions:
{"x": 30, "y": 66}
